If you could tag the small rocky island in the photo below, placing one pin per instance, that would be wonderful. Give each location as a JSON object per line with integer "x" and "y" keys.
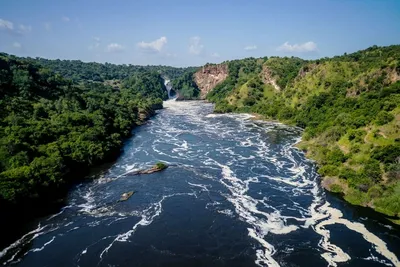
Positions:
{"x": 159, "y": 166}
{"x": 126, "y": 196}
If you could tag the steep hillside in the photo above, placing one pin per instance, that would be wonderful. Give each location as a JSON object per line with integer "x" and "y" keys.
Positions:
{"x": 349, "y": 107}
{"x": 209, "y": 76}
{"x": 186, "y": 87}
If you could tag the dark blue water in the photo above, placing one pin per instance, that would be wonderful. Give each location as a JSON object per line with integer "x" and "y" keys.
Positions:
{"x": 236, "y": 194}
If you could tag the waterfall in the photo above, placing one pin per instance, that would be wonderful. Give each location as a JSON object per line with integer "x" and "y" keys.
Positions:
{"x": 168, "y": 85}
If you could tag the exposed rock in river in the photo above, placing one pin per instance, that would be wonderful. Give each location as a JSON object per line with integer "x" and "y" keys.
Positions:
{"x": 126, "y": 196}
{"x": 156, "y": 168}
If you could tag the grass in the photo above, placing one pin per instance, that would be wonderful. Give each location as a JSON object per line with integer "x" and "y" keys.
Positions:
{"x": 344, "y": 144}
{"x": 356, "y": 197}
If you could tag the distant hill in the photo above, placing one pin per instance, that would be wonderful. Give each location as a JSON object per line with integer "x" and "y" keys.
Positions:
{"x": 79, "y": 71}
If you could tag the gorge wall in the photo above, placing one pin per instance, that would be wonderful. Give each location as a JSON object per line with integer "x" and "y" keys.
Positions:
{"x": 209, "y": 76}
{"x": 348, "y": 106}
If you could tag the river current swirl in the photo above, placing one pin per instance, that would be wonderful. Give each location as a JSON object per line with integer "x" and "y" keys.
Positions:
{"x": 237, "y": 193}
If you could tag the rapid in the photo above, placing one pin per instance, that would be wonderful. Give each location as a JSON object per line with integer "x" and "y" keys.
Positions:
{"x": 236, "y": 193}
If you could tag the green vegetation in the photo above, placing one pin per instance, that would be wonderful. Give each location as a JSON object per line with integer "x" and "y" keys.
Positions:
{"x": 79, "y": 71}
{"x": 349, "y": 107}
{"x": 111, "y": 74}
{"x": 161, "y": 166}
{"x": 186, "y": 87}
{"x": 53, "y": 129}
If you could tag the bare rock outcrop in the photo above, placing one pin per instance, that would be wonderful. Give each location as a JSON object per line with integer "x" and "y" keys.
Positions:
{"x": 209, "y": 76}
{"x": 306, "y": 69}
{"x": 267, "y": 78}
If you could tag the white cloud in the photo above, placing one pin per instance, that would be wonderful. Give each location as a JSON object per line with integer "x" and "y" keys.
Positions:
{"x": 300, "y": 48}
{"x": 250, "y": 47}
{"x": 215, "y": 55}
{"x": 154, "y": 46}
{"x": 24, "y": 28}
{"x": 114, "y": 47}
{"x": 6, "y": 25}
{"x": 66, "y": 19}
{"x": 17, "y": 45}
{"x": 97, "y": 43}
{"x": 47, "y": 26}
{"x": 195, "y": 46}
{"x": 9, "y": 26}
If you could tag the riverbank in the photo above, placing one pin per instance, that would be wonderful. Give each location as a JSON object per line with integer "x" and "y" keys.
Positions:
{"x": 20, "y": 214}
{"x": 332, "y": 183}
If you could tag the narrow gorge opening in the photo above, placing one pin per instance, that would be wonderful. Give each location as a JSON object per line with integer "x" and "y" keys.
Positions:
{"x": 170, "y": 90}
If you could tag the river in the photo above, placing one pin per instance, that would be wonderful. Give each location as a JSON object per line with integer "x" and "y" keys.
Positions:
{"x": 237, "y": 193}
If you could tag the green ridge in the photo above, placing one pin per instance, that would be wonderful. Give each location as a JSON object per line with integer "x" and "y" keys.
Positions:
{"x": 349, "y": 107}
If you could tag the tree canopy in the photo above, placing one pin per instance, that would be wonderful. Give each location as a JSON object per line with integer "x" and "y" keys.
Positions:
{"x": 52, "y": 129}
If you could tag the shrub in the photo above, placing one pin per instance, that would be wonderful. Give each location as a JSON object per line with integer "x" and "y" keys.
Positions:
{"x": 328, "y": 170}
{"x": 372, "y": 170}
{"x": 383, "y": 117}
{"x": 387, "y": 154}
{"x": 161, "y": 165}
{"x": 375, "y": 191}
{"x": 355, "y": 148}
{"x": 393, "y": 172}
{"x": 356, "y": 135}
{"x": 334, "y": 133}
{"x": 336, "y": 188}
{"x": 335, "y": 156}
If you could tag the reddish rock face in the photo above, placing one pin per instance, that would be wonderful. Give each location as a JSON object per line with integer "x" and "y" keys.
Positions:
{"x": 209, "y": 76}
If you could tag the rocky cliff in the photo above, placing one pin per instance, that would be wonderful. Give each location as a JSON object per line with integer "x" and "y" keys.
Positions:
{"x": 209, "y": 76}
{"x": 268, "y": 78}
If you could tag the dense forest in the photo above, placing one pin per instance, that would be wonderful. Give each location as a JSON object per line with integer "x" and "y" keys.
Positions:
{"x": 349, "y": 107}
{"x": 79, "y": 71}
{"x": 186, "y": 86}
{"x": 52, "y": 129}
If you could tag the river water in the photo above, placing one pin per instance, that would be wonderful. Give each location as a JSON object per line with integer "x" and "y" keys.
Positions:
{"x": 237, "y": 193}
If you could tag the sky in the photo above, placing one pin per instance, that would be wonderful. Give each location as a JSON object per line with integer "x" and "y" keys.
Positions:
{"x": 192, "y": 33}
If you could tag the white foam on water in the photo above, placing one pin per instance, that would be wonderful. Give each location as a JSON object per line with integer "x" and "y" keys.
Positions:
{"x": 322, "y": 215}
{"x": 319, "y": 215}
{"x": 212, "y": 115}
{"x": 182, "y": 146}
{"x": 55, "y": 215}
{"x": 376, "y": 259}
{"x": 246, "y": 208}
{"x": 336, "y": 218}
{"x": 202, "y": 186}
{"x": 73, "y": 229}
{"x": 90, "y": 201}
{"x": 226, "y": 212}
{"x": 27, "y": 238}
{"x": 147, "y": 217}
{"x": 130, "y": 167}
{"x": 264, "y": 257}
{"x": 44, "y": 245}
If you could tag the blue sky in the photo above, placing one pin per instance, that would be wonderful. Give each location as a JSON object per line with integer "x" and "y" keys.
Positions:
{"x": 183, "y": 32}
